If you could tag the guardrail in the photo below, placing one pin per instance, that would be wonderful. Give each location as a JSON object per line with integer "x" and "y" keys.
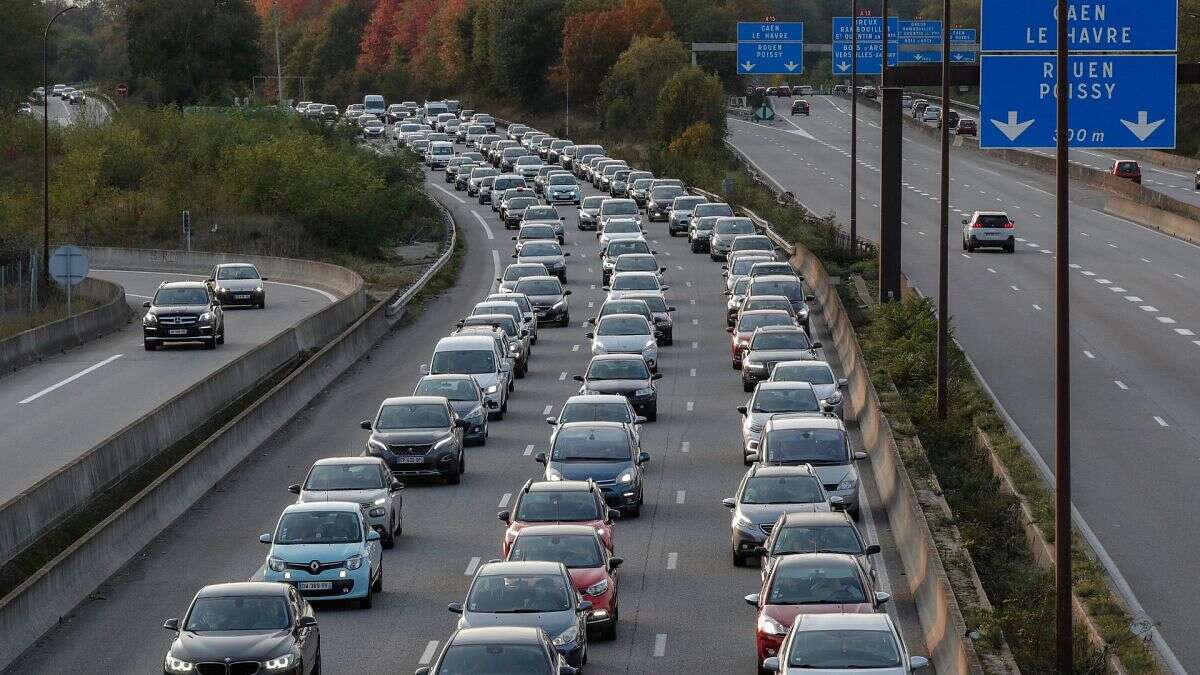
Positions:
{"x": 396, "y": 307}
{"x": 53, "y": 591}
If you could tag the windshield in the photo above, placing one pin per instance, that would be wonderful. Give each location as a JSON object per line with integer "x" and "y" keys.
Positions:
{"x": 742, "y": 265}
{"x": 595, "y": 412}
{"x": 763, "y": 269}
{"x": 800, "y": 399}
{"x": 625, "y": 307}
{"x": 806, "y": 446}
{"x": 636, "y": 264}
{"x": 452, "y": 390}
{"x": 514, "y": 272}
{"x": 622, "y": 325}
{"x": 749, "y": 322}
{"x": 755, "y": 304}
{"x": 505, "y": 322}
{"x": 844, "y": 649}
{"x": 318, "y": 527}
{"x": 713, "y": 210}
{"x": 413, "y": 416}
{"x": 591, "y": 202}
{"x": 442, "y": 150}
{"x": 816, "y": 585}
{"x": 344, "y": 477}
{"x": 541, "y": 213}
{"x": 498, "y": 308}
{"x": 815, "y": 374}
{"x": 792, "y": 339}
{"x": 782, "y": 490}
{"x": 552, "y": 507}
{"x": 539, "y": 287}
{"x": 621, "y": 226}
{"x": 467, "y": 362}
{"x": 516, "y": 203}
{"x": 618, "y": 369}
{"x": 494, "y": 659}
{"x": 734, "y": 226}
{"x": 635, "y": 282}
{"x": 238, "y": 612}
{"x": 665, "y": 193}
{"x": 540, "y": 248}
{"x": 753, "y": 244}
{"x": 502, "y": 183}
{"x": 536, "y": 232}
{"x": 642, "y": 183}
{"x": 562, "y": 180}
{"x": 621, "y": 208}
{"x": 529, "y": 161}
{"x": 604, "y": 444}
{"x": 573, "y": 550}
{"x": 239, "y": 272}
{"x": 814, "y": 539}
{"x": 617, "y": 248}
{"x": 524, "y": 593}
{"x": 167, "y": 297}
{"x": 687, "y": 203}
{"x": 791, "y": 289}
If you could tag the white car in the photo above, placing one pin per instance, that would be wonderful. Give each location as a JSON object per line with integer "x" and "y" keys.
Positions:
{"x": 624, "y": 282}
{"x": 932, "y": 114}
{"x": 835, "y": 644}
{"x": 625, "y": 334}
{"x": 989, "y": 229}
{"x": 618, "y": 228}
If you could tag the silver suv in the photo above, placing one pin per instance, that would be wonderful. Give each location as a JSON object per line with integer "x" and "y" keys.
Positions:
{"x": 366, "y": 481}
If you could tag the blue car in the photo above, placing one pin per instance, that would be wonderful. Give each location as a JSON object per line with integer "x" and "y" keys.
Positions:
{"x": 605, "y": 452}
{"x": 327, "y": 550}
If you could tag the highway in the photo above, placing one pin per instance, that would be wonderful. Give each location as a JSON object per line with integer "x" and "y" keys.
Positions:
{"x": 92, "y": 111}
{"x": 680, "y": 596}
{"x": 1135, "y": 350}
{"x": 55, "y": 410}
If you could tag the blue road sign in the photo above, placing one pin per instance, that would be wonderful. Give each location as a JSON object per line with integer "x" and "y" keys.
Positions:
{"x": 919, "y": 32}
{"x": 870, "y": 29}
{"x": 931, "y": 56}
{"x": 770, "y": 58}
{"x": 963, "y": 36}
{"x": 965, "y": 56}
{"x": 770, "y": 31}
{"x": 1113, "y": 25}
{"x": 1116, "y": 101}
{"x": 870, "y": 45}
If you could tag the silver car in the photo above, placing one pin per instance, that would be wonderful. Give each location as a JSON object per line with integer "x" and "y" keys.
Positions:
{"x": 517, "y": 271}
{"x": 547, "y": 252}
{"x": 589, "y": 212}
{"x": 625, "y": 334}
{"x": 819, "y": 441}
{"x": 681, "y": 213}
{"x": 723, "y": 233}
{"x": 365, "y": 481}
{"x": 764, "y": 494}
{"x": 878, "y": 647}
{"x": 238, "y": 284}
{"x": 529, "y": 318}
{"x": 818, "y": 374}
{"x": 618, "y": 228}
{"x": 771, "y": 344}
{"x": 771, "y": 399}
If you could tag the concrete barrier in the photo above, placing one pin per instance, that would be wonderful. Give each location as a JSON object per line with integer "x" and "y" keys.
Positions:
{"x": 35, "y": 344}
{"x": 39, "y": 603}
{"x": 1166, "y": 222}
{"x": 27, "y": 515}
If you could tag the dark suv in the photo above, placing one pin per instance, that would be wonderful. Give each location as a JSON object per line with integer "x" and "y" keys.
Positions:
{"x": 183, "y": 311}
{"x": 418, "y": 436}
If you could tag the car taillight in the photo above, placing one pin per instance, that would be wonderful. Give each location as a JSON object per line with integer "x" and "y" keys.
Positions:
{"x": 1009, "y": 225}
{"x": 976, "y": 225}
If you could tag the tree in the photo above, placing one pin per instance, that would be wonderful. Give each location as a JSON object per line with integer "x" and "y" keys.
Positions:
{"x": 630, "y": 92}
{"x": 592, "y": 42}
{"x": 20, "y": 58}
{"x": 526, "y": 38}
{"x": 690, "y": 97}
{"x": 376, "y": 46}
{"x": 194, "y": 49}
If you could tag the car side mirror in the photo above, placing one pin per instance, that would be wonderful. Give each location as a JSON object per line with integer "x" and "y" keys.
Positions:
{"x": 589, "y": 335}
{"x": 643, "y": 458}
{"x": 656, "y": 376}
{"x": 860, "y": 455}
{"x": 578, "y": 378}
{"x": 567, "y": 254}
{"x": 882, "y": 597}
{"x": 771, "y": 664}
{"x": 584, "y": 606}
{"x": 816, "y": 345}
{"x": 604, "y": 288}
{"x": 265, "y": 537}
{"x": 294, "y": 488}
{"x": 837, "y": 503}
{"x": 614, "y": 563}
{"x": 306, "y": 622}
{"x": 373, "y": 535}
{"x": 146, "y": 304}
{"x": 724, "y": 268}
{"x": 503, "y": 516}
{"x": 662, "y": 269}
{"x": 424, "y": 369}
{"x": 965, "y": 221}
{"x": 455, "y": 607}
{"x": 810, "y": 298}
{"x": 639, "y": 420}
{"x": 540, "y": 458}
{"x": 752, "y": 599}
{"x": 751, "y": 455}
{"x": 462, "y": 424}
{"x": 742, "y": 409}
{"x": 366, "y": 424}
{"x": 551, "y": 421}
{"x": 918, "y": 663}
{"x": 171, "y": 624}
{"x": 396, "y": 486}
{"x": 514, "y": 238}
{"x": 671, "y": 309}
{"x": 842, "y": 382}
{"x": 871, "y": 549}
{"x": 264, "y": 278}
{"x": 567, "y": 292}
{"x": 514, "y": 255}
{"x": 729, "y": 329}
{"x": 728, "y": 502}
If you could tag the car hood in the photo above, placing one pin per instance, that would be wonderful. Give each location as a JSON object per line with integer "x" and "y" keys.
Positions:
{"x": 786, "y": 614}
{"x": 410, "y": 436}
{"x": 551, "y": 622}
{"x": 582, "y": 577}
{"x": 547, "y": 260}
{"x": 777, "y": 355}
{"x": 356, "y": 496}
{"x": 759, "y": 419}
{"x": 545, "y": 300}
{"x": 598, "y": 471}
{"x": 241, "y": 645}
{"x": 588, "y": 212}
{"x": 304, "y": 553}
{"x": 624, "y": 343}
{"x": 765, "y": 514}
{"x": 616, "y": 386}
{"x": 461, "y": 408}
{"x": 832, "y": 474}
{"x": 824, "y": 391}
{"x": 239, "y": 284}
{"x": 179, "y": 309}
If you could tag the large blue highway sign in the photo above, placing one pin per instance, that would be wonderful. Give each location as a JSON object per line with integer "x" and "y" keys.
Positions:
{"x": 770, "y": 31}
{"x": 870, "y": 29}
{"x": 870, "y": 45}
{"x": 1096, "y": 26}
{"x": 769, "y": 58}
{"x": 1116, "y": 101}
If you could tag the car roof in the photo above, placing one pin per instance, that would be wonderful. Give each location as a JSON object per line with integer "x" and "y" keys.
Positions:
{"x": 486, "y": 635}
{"x": 243, "y": 588}
{"x": 783, "y": 470}
{"x": 596, "y": 424}
{"x": 784, "y": 385}
{"x": 617, "y": 357}
{"x": 761, "y": 312}
{"x": 446, "y": 376}
{"x": 557, "y": 528}
{"x": 754, "y": 298}
{"x": 560, "y": 486}
{"x": 542, "y": 277}
{"x": 774, "y": 277}
{"x": 412, "y": 400}
{"x": 344, "y": 461}
{"x": 520, "y": 567}
{"x": 183, "y": 284}
{"x": 306, "y": 507}
{"x": 595, "y": 398}
{"x": 236, "y": 264}
{"x": 466, "y": 342}
{"x": 807, "y": 422}
{"x": 996, "y": 213}
{"x": 820, "y": 518}
{"x": 776, "y": 329}
{"x": 818, "y": 622}
{"x": 622, "y": 315}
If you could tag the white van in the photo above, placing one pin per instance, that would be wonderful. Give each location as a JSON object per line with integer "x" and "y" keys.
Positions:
{"x": 373, "y": 103}
{"x": 439, "y": 154}
{"x": 431, "y": 110}
{"x": 477, "y": 356}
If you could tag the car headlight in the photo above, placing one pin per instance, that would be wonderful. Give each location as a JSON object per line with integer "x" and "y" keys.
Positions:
{"x": 206, "y": 317}
{"x": 560, "y": 304}
{"x": 743, "y": 343}
{"x": 755, "y": 365}
{"x": 280, "y": 662}
{"x": 834, "y": 399}
{"x": 175, "y": 665}
{"x": 743, "y": 523}
{"x": 849, "y": 482}
{"x": 443, "y": 442}
{"x": 514, "y": 349}
{"x": 644, "y": 392}
{"x": 553, "y": 474}
{"x": 376, "y": 445}
{"x": 492, "y": 389}
{"x": 150, "y": 318}
{"x": 597, "y": 588}
{"x": 650, "y": 344}
{"x": 276, "y": 564}
{"x": 476, "y": 413}
{"x": 626, "y": 476}
{"x": 259, "y": 289}
{"x": 770, "y": 626}
{"x": 567, "y": 636}
{"x": 220, "y": 289}
{"x": 354, "y": 562}
{"x": 377, "y": 512}
{"x": 803, "y": 313}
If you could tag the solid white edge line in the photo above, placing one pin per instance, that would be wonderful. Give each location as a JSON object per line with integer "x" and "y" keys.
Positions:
{"x": 460, "y": 200}
{"x": 69, "y": 380}
{"x": 483, "y": 223}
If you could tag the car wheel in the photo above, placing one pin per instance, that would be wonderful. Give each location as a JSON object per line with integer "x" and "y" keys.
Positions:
{"x": 388, "y": 538}
{"x": 964, "y": 244}
{"x": 1011, "y": 248}
{"x": 263, "y": 303}
{"x": 456, "y": 477}
{"x": 211, "y": 343}
{"x": 365, "y": 602}
{"x": 564, "y": 321}
{"x": 746, "y": 386}
{"x": 856, "y": 514}
{"x": 150, "y": 346}
{"x": 521, "y": 372}
{"x": 652, "y": 414}
{"x": 739, "y": 560}
{"x": 504, "y": 407}
{"x": 221, "y": 337}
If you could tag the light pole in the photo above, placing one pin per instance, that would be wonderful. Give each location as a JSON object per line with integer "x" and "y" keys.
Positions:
{"x": 278, "y": 62}
{"x": 1062, "y": 362}
{"x": 46, "y": 142}
{"x": 854, "y": 123}
{"x": 943, "y": 334}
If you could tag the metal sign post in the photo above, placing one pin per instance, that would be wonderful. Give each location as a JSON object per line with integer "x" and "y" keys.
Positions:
{"x": 186, "y": 218}
{"x": 68, "y": 267}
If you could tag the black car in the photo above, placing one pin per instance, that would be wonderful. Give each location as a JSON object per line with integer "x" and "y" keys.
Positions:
{"x": 183, "y": 311}
{"x": 624, "y": 374}
{"x": 603, "y": 452}
{"x": 465, "y": 397}
{"x": 245, "y": 627}
{"x": 501, "y": 649}
{"x": 418, "y": 436}
{"x": 801, "y": 107}
{"x": 658, "y": 202}
{"x": 548, "y": 297}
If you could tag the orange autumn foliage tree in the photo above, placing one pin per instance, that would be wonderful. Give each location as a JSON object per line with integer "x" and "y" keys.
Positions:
{"x": 592, "y": 41}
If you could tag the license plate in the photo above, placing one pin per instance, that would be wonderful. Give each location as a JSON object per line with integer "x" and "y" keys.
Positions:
{"x": 241, "y": 296}
{"x": 177, "y": 331}
{"x": 410, "y": 460}
{"x": 316, "y": 585}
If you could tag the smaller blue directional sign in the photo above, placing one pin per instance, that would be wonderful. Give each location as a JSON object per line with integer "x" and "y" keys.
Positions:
{"x": 770, "y": 31}
{"x": 1115, "y": 25}
{"x": 964, "y": 56}
{"x": 1117, "y": 101}
{"x": 919, "y": 32}
{"x": 770, "y": 58}
{"x": 963, "y": 36}
{"x": 931, "y": 56}
{"x": 870, "y": 58}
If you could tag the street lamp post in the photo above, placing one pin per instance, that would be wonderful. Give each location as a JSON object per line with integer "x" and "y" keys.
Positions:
{"x": 46, "y": 142}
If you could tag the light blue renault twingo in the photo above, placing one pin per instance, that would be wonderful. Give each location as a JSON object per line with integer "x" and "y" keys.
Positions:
{"x": 327, "y": 550}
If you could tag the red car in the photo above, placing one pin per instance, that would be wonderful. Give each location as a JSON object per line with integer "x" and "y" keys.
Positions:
{"x": 810, "y": 583}
{"x": 1127, "y": 168}
{"x": 746, "y": 323}
{"x": 589, "y": 562}
{"x": 966, "y": 127}
{"x": 578, "y": 502}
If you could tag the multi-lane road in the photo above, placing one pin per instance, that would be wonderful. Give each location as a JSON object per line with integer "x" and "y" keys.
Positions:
{"x": 92, "y": 111}
{"x": 1135, "y": 331}
{"x": 681, "y": 597}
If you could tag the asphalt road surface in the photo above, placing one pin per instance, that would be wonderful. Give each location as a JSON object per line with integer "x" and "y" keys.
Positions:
{"x": 62, "y": 113}
{"x": 56, "y": 409}
{"x": 680, "y": 596}
{"x": 1134, "y": 334}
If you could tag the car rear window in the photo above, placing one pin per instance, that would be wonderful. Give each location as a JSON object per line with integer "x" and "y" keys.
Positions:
{"x": 992, "y": 220}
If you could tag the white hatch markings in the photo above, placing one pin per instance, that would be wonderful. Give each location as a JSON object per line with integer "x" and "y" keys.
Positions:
{"x": 458, "y": 199}
{"x": 672, "y": 560}
{"x": 593, "y": 286}
{"x": 991, "y": 270}
{"x": 679, "y": 267}
{"x": 1015, "y": 288}
{"x": 547, "y": 409}
{"x": 660, "y": 644}
{"x": 591, "y": 304}
{"x": 692, "y": 372}
{"x": 1074, "y": 266}
{"x": 1037, "y": 307}
{"x": 1148, "y": 308}
{"x": 1184, "y": 331}
{"x": 1088, "y": 273}
{"x": 1112, "y": 245}
{"x": 1046, "y": 250}
{"x": 1165, "y": 319}
{"x": 591, "y": 271}
{"x": 528, "y": 449}
{"x": 692, "y": 301}
{"x": 695, "y": 322}
{"x": 688, "y": 283}
{"x": 562, "y": 376}
{"x": 680, "y": 495}
{"x": 483, "y": 223}
{"x": 1120, "y": 384}
{"x": 504, "y": 500}
{"x": 1144, "y": 260}
{"x": 920, "y": 233}
{"x": 69, "y": 380}
{"x": 685, "y": 446}
{"x": 1116, "y": 289}
{"x": 427, "y": 654}
{"x": 1180, "y": 275}
{"x": 472, "y": 565}
{"x": 1161, "y": 421}
{"x": 691, "y": 405}
{"x": 965, "y": 256}
{"x": 1133, "y": 298}
{"x": 574, "y": 348}
{"x": 1103, "y": 281}
{"x": 1089, "y": 354}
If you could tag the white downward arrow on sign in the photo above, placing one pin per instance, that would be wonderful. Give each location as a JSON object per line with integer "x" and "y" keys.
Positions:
{"x": 791, "y": 65}
{"x": 843, "y": 66}
{"x": 958, "y": 57}
{"x": 919, "y": 57}
{"x": 747, "y": 66}
{"x": 1143, "y": 128}
{"x": 1012, "y": 129}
